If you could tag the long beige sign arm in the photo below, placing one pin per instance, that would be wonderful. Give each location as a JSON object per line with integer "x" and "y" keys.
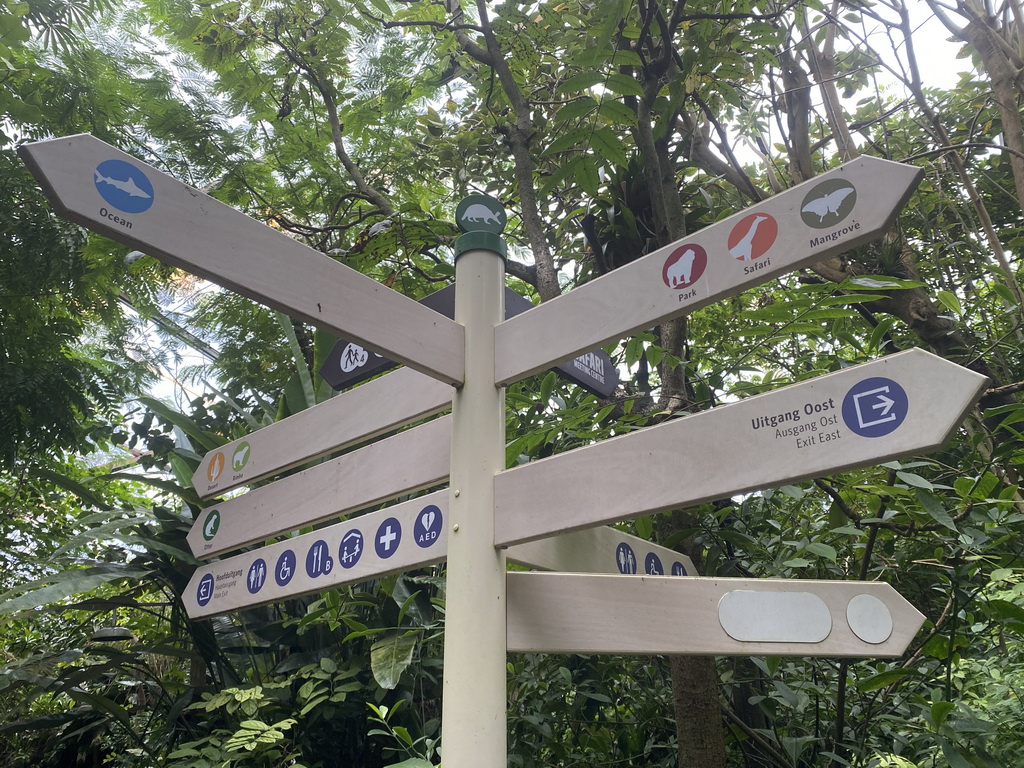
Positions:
{"x": 402, "y": 537}
{"x": 110, "y": 192}
{"x": 359, "y": 414}
{"x": 829, "y": 214}
{"x": 903, "y": 404}
{"x": 408, "y": 462}
{"x": 574, "y": 613}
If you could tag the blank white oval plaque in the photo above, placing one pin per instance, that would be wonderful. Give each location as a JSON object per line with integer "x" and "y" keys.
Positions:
{"x": 774, "y": 617}
{"x": 869, "y": 618}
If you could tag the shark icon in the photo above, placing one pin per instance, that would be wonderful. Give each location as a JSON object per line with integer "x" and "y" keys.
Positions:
{"x": 128, "y": 186}
{"x": 123, "y": 186}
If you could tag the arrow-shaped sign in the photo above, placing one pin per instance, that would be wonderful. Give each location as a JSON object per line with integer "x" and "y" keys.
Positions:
{"x": 410, "y": 461}
{"x": 362, "y": 413}
{"x": 573, "y": 613}
{"x": 402, "y": 537}
{"x": 805, "y": 430}
{"x": 102, "y": 188}
{"x": 829, "y": 214}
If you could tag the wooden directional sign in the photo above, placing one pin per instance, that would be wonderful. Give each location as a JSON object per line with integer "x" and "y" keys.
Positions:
{"x": 410, "y": 461}
{"x": 832, "y": 213}
{"x": 362, "y": 413}
{"x": 348, "y": 363}
{"x": 862, "y": 415}
{"x": 400, "y": 538}
{"x": 573, "y": 613}
{"x": 121, "y": 197}
{"x": 601, "y": 550}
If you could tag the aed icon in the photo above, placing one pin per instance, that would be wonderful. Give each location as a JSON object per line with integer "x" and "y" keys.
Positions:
{"x": 428, "y": 526}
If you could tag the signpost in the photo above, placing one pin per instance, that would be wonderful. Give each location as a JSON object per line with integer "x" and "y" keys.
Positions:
{"x": 850, "y": 418}
{"x": 102, "y": 188}
{"x": 829, "y": 214}
{"x": 410, "y": 461}
{"x": 573, "y": 613}
{"x": 862, "y": 415}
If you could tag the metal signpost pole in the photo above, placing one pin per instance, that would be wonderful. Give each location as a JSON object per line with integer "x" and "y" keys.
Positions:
{"x": 473, "y": 727}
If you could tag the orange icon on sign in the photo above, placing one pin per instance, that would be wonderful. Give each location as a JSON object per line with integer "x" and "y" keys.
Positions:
{"x": 215, "y": 467}
{"x": 752, "y": 237}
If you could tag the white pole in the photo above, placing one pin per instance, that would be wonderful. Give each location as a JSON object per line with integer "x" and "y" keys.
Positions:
{"x": 473, "y": 730}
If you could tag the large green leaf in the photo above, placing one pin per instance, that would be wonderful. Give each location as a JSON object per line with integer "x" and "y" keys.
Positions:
{"x": 390, "y": 656}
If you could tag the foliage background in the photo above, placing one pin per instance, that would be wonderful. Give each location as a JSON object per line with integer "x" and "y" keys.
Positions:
{"x": 609, "y": 128}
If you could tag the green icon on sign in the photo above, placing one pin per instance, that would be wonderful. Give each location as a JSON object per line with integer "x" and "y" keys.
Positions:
{"x": 481, "y": 213}
{"x": 240, "y": 457}
{"x": 211, "y": 525}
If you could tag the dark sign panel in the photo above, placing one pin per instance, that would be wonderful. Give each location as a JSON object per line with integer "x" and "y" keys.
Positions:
{"x": 349, "y": 363}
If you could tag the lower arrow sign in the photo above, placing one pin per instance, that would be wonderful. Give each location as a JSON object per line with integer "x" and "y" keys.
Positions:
{"x": 584, "y": 613}
{"x": 805, "y": 430}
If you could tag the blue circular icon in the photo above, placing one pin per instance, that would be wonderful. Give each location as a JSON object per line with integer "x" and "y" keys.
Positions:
{"x": 285, "y": 568}
{"x": 123, "y": 186}
{"x": 351, "y": 548}
{"x": 257, "y": 575}
{"x": 875, "y": 407}
{"x": 678, "y": 569}
{"x": 205, "y": 591}
{"x": 427, "y": 528}
{"x": 652, "y": 565}
{"x": 625, "y": 558}
{"x": 318, "y": 559}
{"x": 388, "y": 537}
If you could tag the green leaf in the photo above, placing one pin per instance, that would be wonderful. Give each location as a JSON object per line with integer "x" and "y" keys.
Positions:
{"x": 950, "y": 302}
{"x": 940, "y": 710}
{"x": 914, "y": 481}
{"x": 390, "y": 657}
{"x": 822, "y": 550}
{"x": 934, "y": 508}
{"x": 576, "y": 109}
{"x": 608, "y": 145}
{"x": 617, "y": 113}
{"x": 581, "y": 82}
{"x": 624, "y": 85}
{"x": 797, "y": 562}
{"x": 884, "y": 679}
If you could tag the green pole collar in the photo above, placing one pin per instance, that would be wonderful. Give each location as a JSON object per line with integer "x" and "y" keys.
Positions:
{"x": 481, "y": 241}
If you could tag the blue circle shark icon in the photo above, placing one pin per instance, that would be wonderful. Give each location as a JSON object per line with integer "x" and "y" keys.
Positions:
{"x": 123, "y": 186}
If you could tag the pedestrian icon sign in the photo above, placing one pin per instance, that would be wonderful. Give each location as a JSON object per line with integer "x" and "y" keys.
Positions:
{"x": 875, "y": 407}
{"x": 389, "y": 536}
{"x": 625, "y": 558}
{"x": 257, "y": 575}
{"x": 351, "y": 548}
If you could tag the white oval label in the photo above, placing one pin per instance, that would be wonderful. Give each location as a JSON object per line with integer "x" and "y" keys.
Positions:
{"x": 774, "y": 617}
